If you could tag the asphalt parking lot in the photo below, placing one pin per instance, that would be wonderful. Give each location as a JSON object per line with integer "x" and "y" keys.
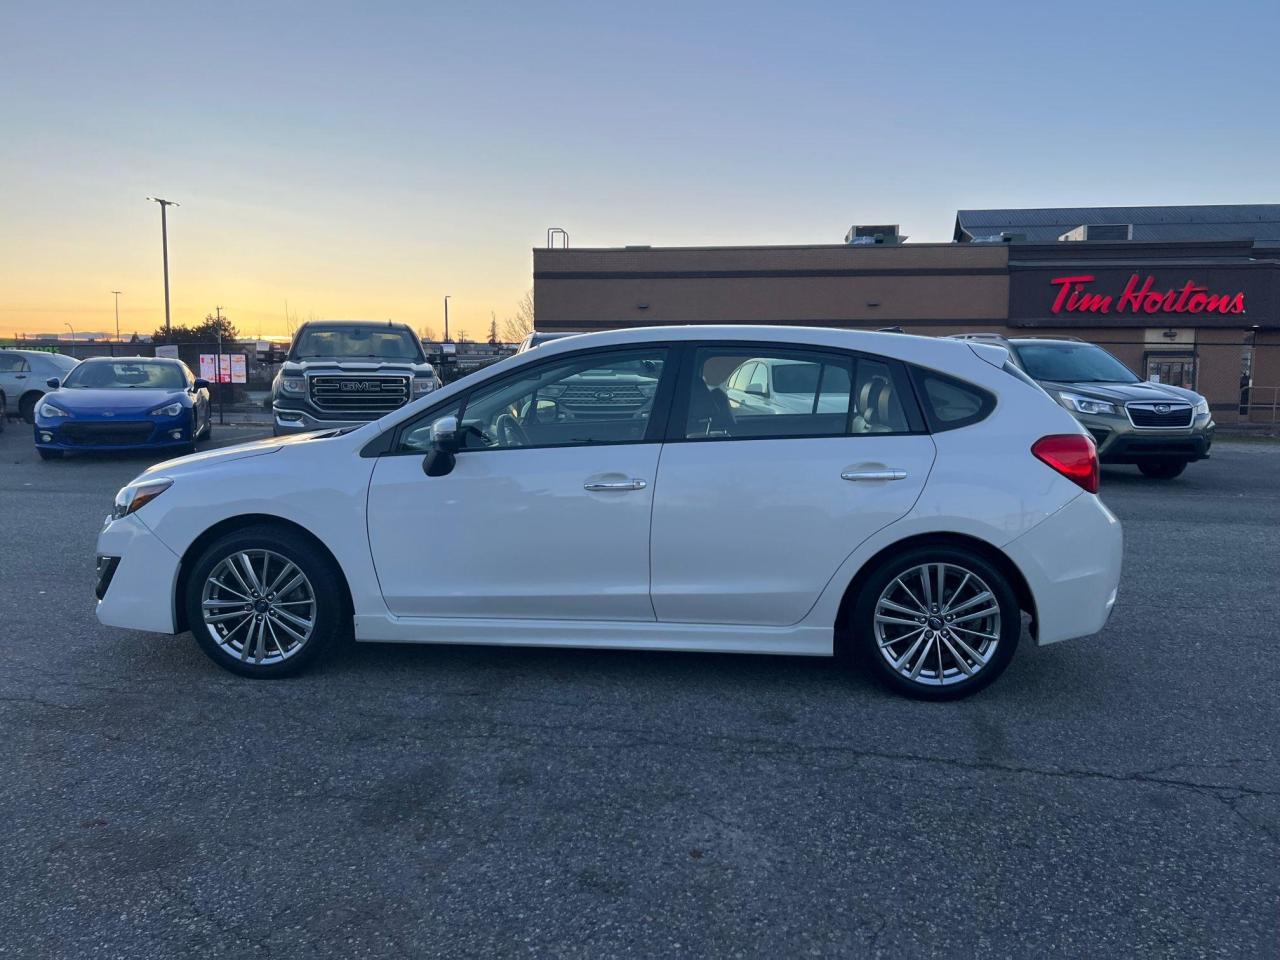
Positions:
{"x": 1117, "y": 796}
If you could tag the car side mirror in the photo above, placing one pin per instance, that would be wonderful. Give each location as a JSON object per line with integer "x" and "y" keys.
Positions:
{"x": 445, "y": 443}
{"x": 202, "y": 383}
{"x": 53, "y": 383}
{"x": 755, "y": 389}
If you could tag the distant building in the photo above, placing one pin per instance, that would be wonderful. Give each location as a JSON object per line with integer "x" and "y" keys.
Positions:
{"x": 1187, "y": 294}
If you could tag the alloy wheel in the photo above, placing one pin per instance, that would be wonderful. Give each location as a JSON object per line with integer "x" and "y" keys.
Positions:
{"x": 258, "y": 606}
{"x": 937, "y": 624}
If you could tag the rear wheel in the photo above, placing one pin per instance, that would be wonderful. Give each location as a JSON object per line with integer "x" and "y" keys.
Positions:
{"x": 264, "y": 602}
{"x": 1162, "y": 469}
{"x": 4, "y": 411}
{"x": 937, "y": 623}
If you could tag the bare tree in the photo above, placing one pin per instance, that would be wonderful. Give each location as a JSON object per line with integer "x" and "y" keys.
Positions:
{"x": 428, "y": 333}
{"x": 519, "y": 326}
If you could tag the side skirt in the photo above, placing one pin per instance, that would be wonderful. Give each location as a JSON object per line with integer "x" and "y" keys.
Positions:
{"x": 799, "y": 640}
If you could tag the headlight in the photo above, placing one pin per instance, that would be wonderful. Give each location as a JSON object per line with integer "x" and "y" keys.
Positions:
{"x": 1078, "y": 404}
{"x": 292, "y": 384}
{"x": 423, "y": 385}
{"x": 168, "y": 410}
{"x": 49, "y": 411}
{"x": 137, "y": 495}
{"x": 1202, "y": 407}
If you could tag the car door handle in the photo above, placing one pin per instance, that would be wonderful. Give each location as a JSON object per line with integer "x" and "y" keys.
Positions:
{"x": 888, "y": 474}
{"x": 595, "y": 486}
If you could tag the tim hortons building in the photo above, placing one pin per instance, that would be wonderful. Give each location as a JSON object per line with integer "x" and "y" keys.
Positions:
{"x": 1187, "y": 294}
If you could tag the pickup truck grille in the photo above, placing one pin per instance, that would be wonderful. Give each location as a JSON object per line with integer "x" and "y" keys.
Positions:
{"x": 602, "y": 397}
{"x": 1147, "y": 414}
{"x": 351, "y": 393}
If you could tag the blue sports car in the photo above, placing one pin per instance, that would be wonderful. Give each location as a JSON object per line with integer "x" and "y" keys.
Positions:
{"x": 123, "y": 403}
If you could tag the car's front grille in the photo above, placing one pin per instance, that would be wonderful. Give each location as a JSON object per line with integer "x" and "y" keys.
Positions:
{"x": 602, "y": 397}
{"x": 349, "y": 393}
{"x": 122, "y": 434}
{"x": 1147, "y": 414}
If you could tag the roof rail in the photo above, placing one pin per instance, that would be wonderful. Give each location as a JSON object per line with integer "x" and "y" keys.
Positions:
{"x": 991, "y": 337}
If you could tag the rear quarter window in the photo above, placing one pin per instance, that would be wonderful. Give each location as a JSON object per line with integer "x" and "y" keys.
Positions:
{"x": 950, "y": 403}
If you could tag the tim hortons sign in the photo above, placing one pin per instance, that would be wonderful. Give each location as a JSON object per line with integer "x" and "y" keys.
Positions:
{"x": 1141, "y": 296}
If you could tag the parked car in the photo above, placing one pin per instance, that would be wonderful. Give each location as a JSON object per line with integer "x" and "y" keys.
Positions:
{"x": 342, "y": 373}
{"x": 23, "y": 376}
{"x": 537, "y": 338}
{"x": 916, "y": 526}
{"x": 1156, "y": 426}
{"x": 123, "y": 403}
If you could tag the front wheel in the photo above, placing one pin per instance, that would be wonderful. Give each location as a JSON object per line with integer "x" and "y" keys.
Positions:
{"x": 49, "y": 454}
{"x": 1162, "y": 469}
{"x": 264, "y": 602}
{"x": 937, "y": 623}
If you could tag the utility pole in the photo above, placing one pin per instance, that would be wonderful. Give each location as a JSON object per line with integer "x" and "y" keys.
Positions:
{"x": 446, "y": 319}
{"x": 164, "y": 242}
{"x": 222, "y": 409}
{"x": 117, "y": 296}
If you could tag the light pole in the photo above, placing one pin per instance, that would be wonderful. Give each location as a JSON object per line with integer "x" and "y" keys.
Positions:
{"x": 164, "y": 242}
{"x": 73, "y": 337}
{"x": 117, "y": 293}
{"x": 446, "y": 319}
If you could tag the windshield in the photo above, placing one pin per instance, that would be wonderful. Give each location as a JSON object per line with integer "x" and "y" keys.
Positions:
{"x": 1072, "y": 363}
{"x": 126, "y": 375}
{"x": 378, "y": 343}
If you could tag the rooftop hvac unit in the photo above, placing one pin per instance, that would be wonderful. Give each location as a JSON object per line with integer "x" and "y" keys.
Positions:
{"x": 884, "y": 233}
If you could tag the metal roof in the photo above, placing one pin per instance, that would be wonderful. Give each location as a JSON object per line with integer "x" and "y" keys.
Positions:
{"x": 1246, "y": 221}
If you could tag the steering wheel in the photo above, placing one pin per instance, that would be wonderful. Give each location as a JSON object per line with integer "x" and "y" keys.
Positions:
{"x": 509, "y": 431}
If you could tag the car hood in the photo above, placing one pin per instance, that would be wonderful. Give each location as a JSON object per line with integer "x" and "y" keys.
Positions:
{"x": 120, "y": 402}
{"x": 198, "y": 462}
{"x": 351, "y": 365}
{"x": 1125, "y": 392}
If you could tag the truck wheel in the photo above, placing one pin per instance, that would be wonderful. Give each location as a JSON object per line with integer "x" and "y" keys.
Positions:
{"x": 1162, "y": 469}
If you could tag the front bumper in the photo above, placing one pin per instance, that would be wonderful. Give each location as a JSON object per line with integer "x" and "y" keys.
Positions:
{"x": 1071, "y": 562}
{"x": 290, "y": 420}
{"x": 99, "y": 433}
{"x": 1119, "y": 441}
{"x": 140, "y": 592}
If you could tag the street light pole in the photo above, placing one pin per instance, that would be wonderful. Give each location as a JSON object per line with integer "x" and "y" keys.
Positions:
{"x": 117, "y": 293}
{"x": 446, "y": 319}
{"x": 164, "y": 242}
{"x": 73, "y": 337}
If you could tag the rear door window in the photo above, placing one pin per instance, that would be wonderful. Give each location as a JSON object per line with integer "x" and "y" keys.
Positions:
{"x": 950, "y": 403}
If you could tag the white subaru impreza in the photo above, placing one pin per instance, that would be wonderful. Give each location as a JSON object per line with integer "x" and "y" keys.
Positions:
{"x": 736, "y": 489}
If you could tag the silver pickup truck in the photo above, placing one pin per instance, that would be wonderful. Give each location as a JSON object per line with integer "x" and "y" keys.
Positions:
{"x": 342, "y": 373}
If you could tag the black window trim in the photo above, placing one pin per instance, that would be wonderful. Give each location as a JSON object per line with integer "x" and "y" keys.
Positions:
{"x": 387, "y": 443}
{"x": 989, "y": 399}
{"x": 898, "y": 370}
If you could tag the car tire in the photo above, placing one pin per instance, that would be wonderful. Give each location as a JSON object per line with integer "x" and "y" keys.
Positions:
{"x": 929, "y": 653}
{"x": 27, "y": 407}
{"x": 4, "y": 412}
{"x": 1162, "y": 469}
{"x": 49, "y": 454}
{"x": 208, "y": 430}
{"x": 273, "y": 622}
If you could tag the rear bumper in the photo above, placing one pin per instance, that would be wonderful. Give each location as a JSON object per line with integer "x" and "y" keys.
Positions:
{"x": 1071, "y": 562}
{"x": 139, "y": 593}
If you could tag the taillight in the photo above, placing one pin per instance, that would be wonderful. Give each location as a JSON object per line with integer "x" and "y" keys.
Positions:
{"x": 1073, "y": 455}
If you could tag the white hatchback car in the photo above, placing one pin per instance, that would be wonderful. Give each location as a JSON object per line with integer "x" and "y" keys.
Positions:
{"x": 606, "y": 490}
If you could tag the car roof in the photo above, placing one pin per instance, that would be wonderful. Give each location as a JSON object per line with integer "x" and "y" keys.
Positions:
{"x": 899, "y": 345}
{"x": 383, "y": 324}
{"x": 132, "y": 359}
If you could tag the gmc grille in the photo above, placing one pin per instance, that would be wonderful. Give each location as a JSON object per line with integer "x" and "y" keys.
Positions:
{"x": 1159, "y": 414}
{"x": 350, "y": 393}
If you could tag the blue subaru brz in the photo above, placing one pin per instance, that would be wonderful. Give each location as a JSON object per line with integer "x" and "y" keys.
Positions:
{"x": 123, "y": 403}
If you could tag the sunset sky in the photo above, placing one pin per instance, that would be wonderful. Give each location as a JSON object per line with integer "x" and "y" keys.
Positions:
{"x": 364, "y": 160}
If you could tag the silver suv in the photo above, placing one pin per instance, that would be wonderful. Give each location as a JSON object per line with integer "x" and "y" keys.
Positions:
{"x": 342, "y": 373}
